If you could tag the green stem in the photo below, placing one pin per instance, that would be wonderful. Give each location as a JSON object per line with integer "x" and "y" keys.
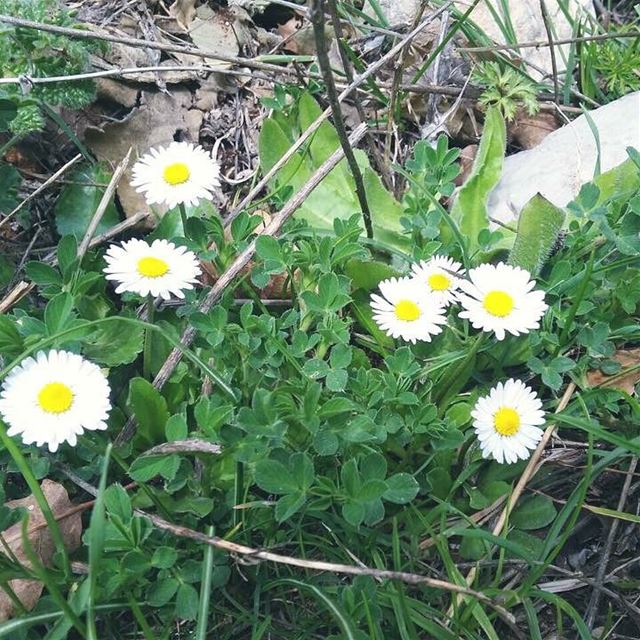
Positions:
{"x": 140, "y": 619}
{"x": 455, "y": 379}
{"x": 238, "y": 492}
{"x": 8, "y": 144}
{"x": 33, "y": 485}
{"x": 205, "y": 590}
{"x": 148, "y": 340}
{"x": 183, "y": 217}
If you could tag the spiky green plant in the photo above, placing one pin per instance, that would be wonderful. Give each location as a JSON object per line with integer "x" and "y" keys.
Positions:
{"x": 37, "y": 53}
{"x": 506, "y": 89}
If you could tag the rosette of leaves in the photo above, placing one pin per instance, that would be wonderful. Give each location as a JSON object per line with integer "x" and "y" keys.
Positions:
{"x": 36, "y": 53}
{"x": 506, "y": 88}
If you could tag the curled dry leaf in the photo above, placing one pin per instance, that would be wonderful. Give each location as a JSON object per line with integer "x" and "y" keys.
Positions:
{"x": 626, "y": 379}
{"x": 529, "y": 131}
{"x": 184, "y": 11}
{"x": 70, "y": 522}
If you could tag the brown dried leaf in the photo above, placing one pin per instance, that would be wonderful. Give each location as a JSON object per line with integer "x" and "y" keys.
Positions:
{"x": 529, "y": 131}
{"x": 184, "y": 11}
{"x": 626, "y": 379}
{"x": 70, "y": 522}
{"x": 156, "y": 121}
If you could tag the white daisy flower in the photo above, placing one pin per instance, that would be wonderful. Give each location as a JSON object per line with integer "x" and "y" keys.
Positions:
{"x": 439, "y": 276}
{"x": 159, "y": 269}
{"x": 500, "y": 299}
{"x": 181, "y": 173}
{"x": 406, "y": 310}
{"x": 507, "y": 422}
{"x": 53, "y": 398}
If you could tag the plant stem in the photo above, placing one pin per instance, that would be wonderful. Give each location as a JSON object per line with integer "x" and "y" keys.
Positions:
{"x": 183, "y": 217}
{"x": 205, "y": 591}
{"x": 238, "y": 491}
{"x": 148, "y": 340}
{"x": 317, "y": 19}
{"x": 455, "y": 379}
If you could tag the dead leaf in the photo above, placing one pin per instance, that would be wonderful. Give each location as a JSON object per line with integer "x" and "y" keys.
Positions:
{"x": 184, "y": 11}
{"x": 529, "y": 131}
{"x": 156, "y": 121}
{"x": 70, "y": 522}
{"x": 467, "y": 156}
{"x": 223, "y": 31}
{"x": 626, "y": 379}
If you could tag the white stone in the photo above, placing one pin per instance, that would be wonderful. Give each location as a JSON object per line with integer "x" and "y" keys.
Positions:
{"x": 566, "y": 159}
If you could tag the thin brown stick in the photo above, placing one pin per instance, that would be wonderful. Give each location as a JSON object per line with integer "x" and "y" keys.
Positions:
{"x": 253, "y": 554}
{"x": 592, "y": 607}
{"x": 84, "y": 34}
{"x": 41, "y": 188}
{"x": 241, "y": 261}
{"x": 530, "y": 470}
{"x": 317, "y": 20}
{"x": 545, "y": 43}
{"x": 103, "y": 204}
{"x": 394, "y": 93}
{"x": 127, "y": 71}
{"x": 546, "y": 19}
{"x": 383, "y": 168}
{"x": 358, "y": 81}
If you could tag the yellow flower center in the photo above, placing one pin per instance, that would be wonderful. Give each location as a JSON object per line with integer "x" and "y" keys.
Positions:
{"x": 152, "y": 267}
{"x": 439, "y": 282}
{"x": 55, "y": 397}
{"x": 407, "y": 310}
{"x": 498, "y": 303}
{"x": 176, "y": 173}
{"x": 506, "y": 421}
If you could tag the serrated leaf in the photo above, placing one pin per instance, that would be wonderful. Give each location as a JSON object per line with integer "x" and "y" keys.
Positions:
{"x": 288, "y": 505}
{"x": 58, "y": 312}
{"x": 539, "y": 226}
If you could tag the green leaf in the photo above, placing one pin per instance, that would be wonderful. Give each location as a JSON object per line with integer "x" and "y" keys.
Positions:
{"x": 9, "y": 182}
{"x": 42, "y": 274}
{"x": 401, "y": 488}
{"x": 469, "y": 209}
{"x": 118, "y": 503}
{"x": 372, "y": 490}
{"x": 288, "y": 505}
{"x": 57, "y": 313}
{"x": 539, "y": 226}
{"x": 11, "y": 343}
{"x": 335, "y": 196}
{"x": 164, "y": 557}
{"x": 149, "y": 408}
{"x": 272, "y": 476}
{"x": 187, "y": 602}
{"x": 78, "y": 202}
{"x": 336, "y": 380}
{"x": 534, "y": 512}
{"x": 353, "y": 512}
{"x": 145, "y": 468}
{"x": 367, "y": 274}
{"x": 114, "y": 343}
{"x": 162, "y": 591}
{"x": 8, "y": 111}
{"x": 176, "y": 428}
